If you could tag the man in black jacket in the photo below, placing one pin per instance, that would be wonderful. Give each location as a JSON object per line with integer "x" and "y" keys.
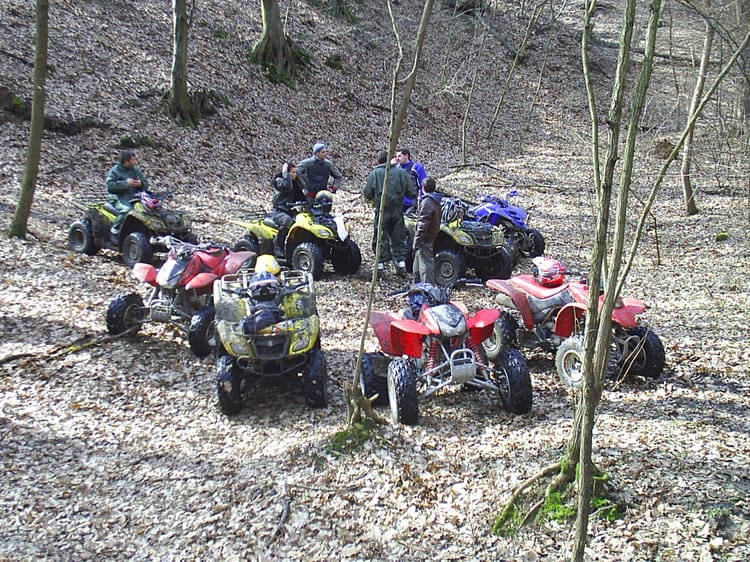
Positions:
{"x": 427, "y": 230}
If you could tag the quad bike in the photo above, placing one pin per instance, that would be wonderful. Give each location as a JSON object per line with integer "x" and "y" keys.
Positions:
{"x": 520, "y": 239}
{"x": 182, "y": 291}
{"x": 463, "y": 244}
{"x": 435, "y": 343}
{"x": 315, "y": 237}
{"x": 267, "y": 326}
{"x": 543, "y": 310}
{"x": 146, "y": 220}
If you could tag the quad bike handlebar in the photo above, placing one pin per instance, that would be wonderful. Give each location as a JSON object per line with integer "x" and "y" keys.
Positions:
{"x": 180, "y": 247}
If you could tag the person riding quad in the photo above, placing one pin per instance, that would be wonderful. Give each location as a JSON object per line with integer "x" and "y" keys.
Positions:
{"x": 124, "y": 181}
{"x": 290, "y": 189}
{"x": 316, "y": 170}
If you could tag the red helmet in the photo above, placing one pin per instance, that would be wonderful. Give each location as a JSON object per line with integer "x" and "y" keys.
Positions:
{"x": 548, "y": 272}
{"x": 150, "y": 201}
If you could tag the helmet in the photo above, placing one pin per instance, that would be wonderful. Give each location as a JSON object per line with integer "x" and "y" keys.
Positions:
{"x": 548, "y": 272}
{"x": 268, "y": 263}
{"x": 451, "y": 209}
{"x": 324, "y": 200}
{"x": 150, "y": 201}
{"x": 264, "y": 286}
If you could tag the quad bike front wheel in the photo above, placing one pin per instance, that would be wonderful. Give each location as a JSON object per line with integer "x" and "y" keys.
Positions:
{"x": 533, "y": 243}
{"x": 569, "y": 361}
{"x": 81, "y": 238}
{"x": 248, "y": 243}
{"x": 498, "y": 267}
{"x": 315, "y": 381}
{"x": 503, "y": 336}
{"x": 347, "y": 260}
{"x": 371, "y": 382}
{"x": 228, "y": 385}
{"x": 202, "y": 332}
{"x": 125, "y": 312}
{"x": 136, "y": 249}
{"x": 518, "y": 396}
{"x": 645, "y": 356}
{"x": 449, "y": 267}
{"x": 307, "y": 257}
{"x": 402, "y": 392}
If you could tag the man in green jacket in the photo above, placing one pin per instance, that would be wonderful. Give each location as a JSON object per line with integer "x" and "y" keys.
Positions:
{"x": 393, "y": 243}
{"x": 124, "y": 181}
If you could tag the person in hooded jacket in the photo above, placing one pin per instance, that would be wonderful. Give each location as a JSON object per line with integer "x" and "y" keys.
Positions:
{"x": 290, "y": 189}
{"x": 316, "y": 170}
{"x": 427, "y": 230}
{"x": 124, "y": 181}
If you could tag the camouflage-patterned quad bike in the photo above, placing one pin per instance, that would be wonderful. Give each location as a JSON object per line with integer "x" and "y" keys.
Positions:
{"x": 463, "y": 244}
{"x": 267, "y": 326}
{"x": 146, "y": 220}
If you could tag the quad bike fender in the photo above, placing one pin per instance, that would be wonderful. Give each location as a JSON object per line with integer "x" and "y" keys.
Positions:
{"x": 482, "y": 324}
{"x": 235, "y": 260}
{"x": 202, "y": 280}
{"x": 406, "y": 337}
{"x": 626, "y": 314}
{"x": 257, "y": 227}
{"x": 512, "y": 297}
{"x": 145, "y": 272}
{"x": 455, "y": 234}
{"x": 566, "y": 319}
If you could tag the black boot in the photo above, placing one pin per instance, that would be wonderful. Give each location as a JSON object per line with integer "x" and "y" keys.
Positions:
{"x": 279, "y": 243}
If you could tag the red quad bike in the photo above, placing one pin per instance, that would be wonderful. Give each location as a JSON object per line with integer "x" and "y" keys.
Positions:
{"x": 435, "y": 343}
{"x": 182, "y": 291}
{"x": 543, "y": 310}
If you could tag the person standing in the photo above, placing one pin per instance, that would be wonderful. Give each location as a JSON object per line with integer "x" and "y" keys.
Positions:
{"x": 290, "y": 189}
{"x": 316, "y": 170}
{"x": 427, "y": 230}
{"x": 416, "y": 172}
{"x": 124, "y": 181}
{"x": 393, "y": 245}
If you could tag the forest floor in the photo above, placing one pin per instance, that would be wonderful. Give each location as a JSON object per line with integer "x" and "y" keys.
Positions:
{"x": 119, "y": 451}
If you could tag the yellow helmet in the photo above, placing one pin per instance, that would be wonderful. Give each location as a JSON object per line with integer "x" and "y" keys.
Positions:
{"x": 268, "y": 263}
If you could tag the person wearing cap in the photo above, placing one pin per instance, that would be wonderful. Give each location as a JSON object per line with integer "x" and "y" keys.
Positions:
{"x": 124, "y": 181}
{"x": 316, "y": 170}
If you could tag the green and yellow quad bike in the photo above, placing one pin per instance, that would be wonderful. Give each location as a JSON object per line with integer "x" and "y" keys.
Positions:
{"x": 316, "y": 236}
{"x": 267, "y": 327}
{"x": 463, "y": 244}
{"x": 147, "y": 219}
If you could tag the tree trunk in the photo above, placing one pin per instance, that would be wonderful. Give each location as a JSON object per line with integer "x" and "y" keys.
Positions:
{"x": 273, "y": 50}
{"x": 26, "y": 196}
{"x": 743, "y": 107}
{"x": 181, "y": 105}
{"x": 687, "y": 155}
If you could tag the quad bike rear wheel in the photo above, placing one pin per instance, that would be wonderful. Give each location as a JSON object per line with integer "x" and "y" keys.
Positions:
{"x": 348, "y": 259}
{"x": 248, "y": 243}
{"x": 371, "y": 382}
{"x": 449, "y": 266}
{"x": 496, "y": 268}
{"x": 518, "y": 398}
{"x": 315, "y": 381}
{"x": 307, "y": 257}
{"x": 125, "y": 312}
{"x": 228, "y": 385}
{"x": 569, "y": 361}
{"x": 647, "y": 357}
{"x": 402, "y": 392}
{"x": 533, "y": 244}
{"x": 202, "y": 332}
{"x": 81, "y": 237}
{"x": 136, "y": 249}
{"x": 503, "y": 336}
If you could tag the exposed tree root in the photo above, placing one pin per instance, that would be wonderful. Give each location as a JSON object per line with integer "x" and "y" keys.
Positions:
{"x": 360, "y": 406}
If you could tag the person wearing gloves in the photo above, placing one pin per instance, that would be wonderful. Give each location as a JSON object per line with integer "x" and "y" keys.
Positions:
{"x": 316, "y": 170}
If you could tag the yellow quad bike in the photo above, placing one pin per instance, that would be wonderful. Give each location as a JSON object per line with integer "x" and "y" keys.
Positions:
{"x": 147, "y": 219}
{"x": 316, "y": 236}
{"x": 463, "y": 244}
{"x": 267, "y": 326}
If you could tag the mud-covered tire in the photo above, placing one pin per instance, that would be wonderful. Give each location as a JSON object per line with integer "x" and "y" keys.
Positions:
{"x": 402, "y": 392}
{"x": 650, "y": 358}
{"x": 497, "y": 268}
{"x": 347, "y": 260}
{"x": 518, "y": 398}
{"x": 248, "y": 243}
{"x": 307, "y": 257}
{"x": 372, "y": 383}
{"x": 202, "y": 336}
{"x": 503, "y": 336}
{"x": 569, "y": 361}
{"x": 125, "y": 312}
{"x": 81, "y": 238}
{"x": 534, "y": 244}
{"x": 315, "y": 379}
{"x": 449, "y": 266}
{"x": 136, "y": 249}
{"x": 228, "y": 385}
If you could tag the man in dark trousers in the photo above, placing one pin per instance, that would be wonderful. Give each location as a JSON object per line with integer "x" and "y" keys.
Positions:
{"x": 394, "y": 231}
{"x": 428, "y": 228}
{"x": 124, "y": 181}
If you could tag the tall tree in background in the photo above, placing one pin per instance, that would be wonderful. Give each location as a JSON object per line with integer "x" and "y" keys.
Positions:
{"x": 26, "y": 196}
{"x": 743, "y": 108}
{"x": 181, "y": 105}
{"x": 274, "y": 50}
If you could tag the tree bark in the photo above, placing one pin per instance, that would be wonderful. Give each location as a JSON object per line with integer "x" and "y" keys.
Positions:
{"x": 743, "y": 107}
{"x": 181, "y": 105}
{"x": 18, "y": 226}
{"x": 273, "y": 50}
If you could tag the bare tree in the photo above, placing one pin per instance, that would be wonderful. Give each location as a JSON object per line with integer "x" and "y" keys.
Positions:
{"x": 181, "y": 104}
{"x": 274, "y": 50}
{"x": 18, "y": 226}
